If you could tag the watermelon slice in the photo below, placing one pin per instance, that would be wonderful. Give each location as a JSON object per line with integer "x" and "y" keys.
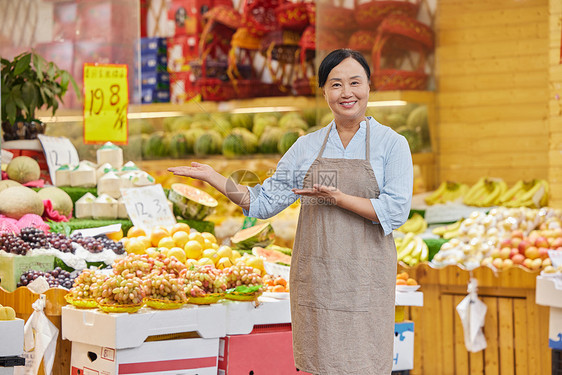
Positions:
{"x": 191, "y": 203}
{"x": 271, "y": 255}
{"x": 258, "y": 235}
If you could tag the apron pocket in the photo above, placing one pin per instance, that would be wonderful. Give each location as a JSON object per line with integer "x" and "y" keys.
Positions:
{"x": 333, "y": 284}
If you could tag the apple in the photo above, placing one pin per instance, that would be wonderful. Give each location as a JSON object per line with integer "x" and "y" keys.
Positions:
{"x": 543, "y": 252}
{"x": 495, "y": 253}
{"x": 505, "y": 252}
{"x": 556, "y": 242}
{"x": 536, "y": 264}
{"x": 498, "y": 263}
{"x": 546, "y": 262}
{"x": 507, "y": 263}
{"x": 513, "y": 252}
{"x": 532, "y": 252}
{"x": 523, "y": 245}
{"x": 506, "y": 243}
{"x": 486, "y": 261}
{"x": 518, "y": 258}
{"x": 541, "y": 241}
{"x": 527, "y": 262}
{"x": 515, "y": 241}
{"x": 517, "y": 234}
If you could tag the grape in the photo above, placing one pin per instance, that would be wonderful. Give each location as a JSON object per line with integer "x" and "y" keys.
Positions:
{"x": 118, "y": 290}
{"x": 11, "y": 243}
{"x": 55, "y": 278}
{"x": 87, "y": 285}
{"x": 133, "y": 265}
{"x": 60, "y": 242}
{"x": 35, "y": 237}
{"x": 164, "y": 286}
{"x": 241, "y": 274}
{"x": 201, "y": 280}
{"x": 98, "y": 244}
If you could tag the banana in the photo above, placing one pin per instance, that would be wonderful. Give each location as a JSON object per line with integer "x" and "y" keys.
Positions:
{"x": 451, "y": 234}
{"x": 492, "y": 196}
{"x": 512, "y": 192}
{"x": 434, "y": 197}
{"x": 474, "y": 192}
{"x": 526, "y": 199}
{"x": 418, "y": 248}
{"x": 450, "y": 228}
{"x": 409, "y": 237}
{"x": 407, "y": 250}
{"x": 415, "y": 224}
{"x": 424, "y": 256}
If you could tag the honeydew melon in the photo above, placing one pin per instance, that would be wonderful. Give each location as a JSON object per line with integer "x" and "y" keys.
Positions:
{"x": 20, "y": 200}
{"x": 59, "y": 198}
{"x": 23, "y": 169}
{"x": 259, "y": 235}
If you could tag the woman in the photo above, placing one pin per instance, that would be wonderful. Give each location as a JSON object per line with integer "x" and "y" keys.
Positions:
{"x": 354, "y": 178}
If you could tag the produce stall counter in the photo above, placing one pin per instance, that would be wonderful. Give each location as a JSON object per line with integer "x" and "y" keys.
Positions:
{"x": 516, "y": 328}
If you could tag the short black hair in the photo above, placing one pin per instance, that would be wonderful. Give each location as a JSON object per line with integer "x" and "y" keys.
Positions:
{"x": 334, "y": 58}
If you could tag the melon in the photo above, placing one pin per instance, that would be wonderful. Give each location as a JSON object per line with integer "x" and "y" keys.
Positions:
{"x": 240, "y": 141}
{"x": 259, "y": 235}
{"x": 269, "y": 140}
{"x": 241, "y": 120}
{"x": 191, "y": 203}
{"x": 271, "y": 255}
{"x": 60, "y": 200}
{"x": 23, "y": 169}
{"x": 288, "y": 139}
{"x": 263, "y": 121}
{"x": 178, "y": 145}
{"x": 4, "y": 184}
{"x": 20, "y": 200}
{"x": 209, "y": 143}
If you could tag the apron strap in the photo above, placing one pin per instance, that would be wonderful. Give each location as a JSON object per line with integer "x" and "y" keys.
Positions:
{"x": 325, "y": 142}
{"x": 368, "y": 140}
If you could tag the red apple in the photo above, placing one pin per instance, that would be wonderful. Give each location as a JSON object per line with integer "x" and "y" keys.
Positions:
{"x": 543, "y": 252}
{"x": 528, "y": 263}
{"x": 495, "y": 253}
{"x": 498, "y": 263}
{"x": 541, "y": 241}
{"x": 506, "y": 243}
{"x": 523, "y": 245}
{"x": 504, "y": 252}
{"x": 518, "y": 258}
{"x": 556, "y": 242}
{"x": 507, "y": 263}
{"x": 532, "y": 252}
{"x": 513, "y": 252}
{"x": 515, "y": 241}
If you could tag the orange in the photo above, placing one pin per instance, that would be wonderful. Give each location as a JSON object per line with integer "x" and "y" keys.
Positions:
{"x": 193, "y": 249}
{"x": 115, "y": 236}
{"x": 411, "y": 282}
{"x": 401, "y": 282}
{"x": 167, "y": 242}
{"x": 135, "y": 246}
{"x": 157, "y": 234}
{"x": 280, "y": 281}
{"x": 196, "y": 236}
{"x": 403, "y": 276}
{"x": 278, "y": 289}
{"x": 135, "y": 232}
{"x": 209, "y": 236}
{"x": 179, "y": 227}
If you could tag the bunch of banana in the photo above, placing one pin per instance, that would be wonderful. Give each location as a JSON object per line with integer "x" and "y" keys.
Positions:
{"x": 446, "y": 192}
{"x": 448, "y": 231}
{"x": 486, "y": 192}
{"x": 411, "y": 249}
{"x": 532, "y": 194}
{"x": 416, "y": 225}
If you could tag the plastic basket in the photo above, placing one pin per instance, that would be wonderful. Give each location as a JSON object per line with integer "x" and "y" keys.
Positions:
{"x": 362, "y": 40}
{"x": 336, "y": 18}
{"x": 214, "y": 89}
{"x": 370, "y": 15}
{"x": 81, "y": 303}
{"x": 159, "y": 304}
{"x": 293, "y": 16}
{"x": 206, "y": 299}
{"x": 259, "y": 16}
{"x": 234, "y": 296}
{"x": 120, "y": 308}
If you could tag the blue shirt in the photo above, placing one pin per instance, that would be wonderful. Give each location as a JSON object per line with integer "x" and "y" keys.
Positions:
{"x": 390, "y": 159}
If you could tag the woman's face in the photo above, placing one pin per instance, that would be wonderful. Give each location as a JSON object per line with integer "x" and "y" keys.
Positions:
{"x": 347, "y": 91}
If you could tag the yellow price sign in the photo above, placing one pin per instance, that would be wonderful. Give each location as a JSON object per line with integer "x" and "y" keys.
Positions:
{"x": 106, "y": 101}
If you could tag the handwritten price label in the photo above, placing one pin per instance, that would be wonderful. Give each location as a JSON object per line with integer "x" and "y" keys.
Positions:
{"x": 147, "y": 207}
{"x": 58, "y": 151}
{"x": 106, "y": 101}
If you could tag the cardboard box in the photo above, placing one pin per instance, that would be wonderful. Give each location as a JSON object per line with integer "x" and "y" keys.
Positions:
{"x": 182, "y": 87}
{"x": 120, "y": 331}
{"x": 153, "y": 95}
{"x": 157, "y": 22}
{"x": 13, "y": 266}
{"x": 408, "y": 299}
{"x": 193, "y": 356}
{"x": 11, "y": 341}
{"x": 154, "y": 45}
{"x": 403, "y": 358}
{"x": 265, "y": 351}
{"x": 241, "y": 317}
{"x": 548, "y": 295}
{"x": 181, "y": 51}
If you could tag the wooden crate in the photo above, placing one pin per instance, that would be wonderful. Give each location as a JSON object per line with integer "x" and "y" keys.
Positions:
{"x": 21, "y": 300}
{"x": 516, "y": 328}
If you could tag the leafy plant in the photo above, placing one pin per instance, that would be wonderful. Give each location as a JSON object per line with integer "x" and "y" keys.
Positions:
{"x": 29, "y": 83}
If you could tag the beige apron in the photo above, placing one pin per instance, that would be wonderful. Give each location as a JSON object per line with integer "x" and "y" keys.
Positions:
{"x": 343, "y": 277}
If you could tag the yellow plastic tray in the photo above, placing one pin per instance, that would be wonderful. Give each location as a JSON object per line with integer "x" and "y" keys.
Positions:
{"x": 81, "y": 303}
{"x": 206, "y": 300}
{"x": 159, "y": 304}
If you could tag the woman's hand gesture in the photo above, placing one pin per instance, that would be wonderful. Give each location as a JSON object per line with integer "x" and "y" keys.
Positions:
{"x": 198, "y": 171}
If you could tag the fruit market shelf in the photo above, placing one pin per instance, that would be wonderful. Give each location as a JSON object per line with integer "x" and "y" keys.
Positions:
{"x": 272, "y": 104}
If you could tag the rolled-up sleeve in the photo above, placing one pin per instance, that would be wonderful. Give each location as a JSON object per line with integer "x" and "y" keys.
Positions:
{"x": 274, "y": 194}
{"x": 393, "y": 204}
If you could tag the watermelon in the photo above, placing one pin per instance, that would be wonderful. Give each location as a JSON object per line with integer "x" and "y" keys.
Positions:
{"x": 242, "y": 120}
{"x": 233, "y": 146}
{"x": 23, "y": 169}
{"x": 269, "y": 140}
{"x": 310, "y": 115}
{"x": 209, "y": 143}
{"x": 155, "y": 146}
{"x": 178, "y": 123}
{"x": 413, "y": 137}
{"x": 178, "y": 145}
{"x": 139, "y": 126}
{"x": 271, "y": 255}
{"x": 191, "y": 203}
{"x": 191, "y": 136}
{"x": 288, "y": 139}
{"x": 418, "y": 121}
{"x": 259, "y": 235}
{"x": 261, "y": 122}
{"x": 395, "y": 120}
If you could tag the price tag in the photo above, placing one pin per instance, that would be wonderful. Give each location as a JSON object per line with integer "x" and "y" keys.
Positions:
{"x": 106, "y": 101}
{"x": 58, "y": 151}
{"x": 147, "y": 207}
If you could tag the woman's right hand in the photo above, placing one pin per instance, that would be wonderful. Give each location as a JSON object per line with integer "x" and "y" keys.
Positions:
{"x": 198, "y": 171}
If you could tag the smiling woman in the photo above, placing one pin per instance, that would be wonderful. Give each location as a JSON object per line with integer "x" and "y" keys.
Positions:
{"x": 354, "y": 178}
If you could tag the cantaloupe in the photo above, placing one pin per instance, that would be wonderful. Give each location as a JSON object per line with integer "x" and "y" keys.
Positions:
{"x": 4, "y": 184}
{"x": 259, "y": 235}
{"x": 59, "y": 198}
{"x": 23, "y": 169}
{"x": 191, "y": 203}
{"x": 20, "y": 200}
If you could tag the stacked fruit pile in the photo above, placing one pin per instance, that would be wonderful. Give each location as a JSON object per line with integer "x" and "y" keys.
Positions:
{"x": 55, "y": 278}
{"x": 415, "y": 224}
{"x": 504, "y": 237}
{"x": 411, "y": 249}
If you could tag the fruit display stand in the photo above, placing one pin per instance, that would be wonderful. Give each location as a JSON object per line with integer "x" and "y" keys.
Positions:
{"x": 22, "y": 299}
{"x": 515, "y": 327}
{"x": 11, "y": 345}
{"x": 186, "y": 339}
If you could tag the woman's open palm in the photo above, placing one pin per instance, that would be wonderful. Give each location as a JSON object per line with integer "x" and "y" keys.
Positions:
{"x": 197, "y": 170}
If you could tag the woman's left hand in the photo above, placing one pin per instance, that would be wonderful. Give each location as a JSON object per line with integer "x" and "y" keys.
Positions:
{"x": 327, "y": 193}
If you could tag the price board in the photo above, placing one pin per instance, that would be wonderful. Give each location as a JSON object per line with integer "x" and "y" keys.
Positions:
{"x": 58, "y": 152}
{"x": 147, "y": 207}
{"x": 106, "y": 102}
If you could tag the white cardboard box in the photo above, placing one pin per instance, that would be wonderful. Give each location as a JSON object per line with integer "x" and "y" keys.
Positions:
{"x": 193, "y": 356}
{"x": 120, "y": 331}
{"x": 11, "y": 337}
{"x": 241, "y": 317}
{"x": 403, "y": 358}
{"x": 408, "y": 299}
{"x": 548, "y": 295}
